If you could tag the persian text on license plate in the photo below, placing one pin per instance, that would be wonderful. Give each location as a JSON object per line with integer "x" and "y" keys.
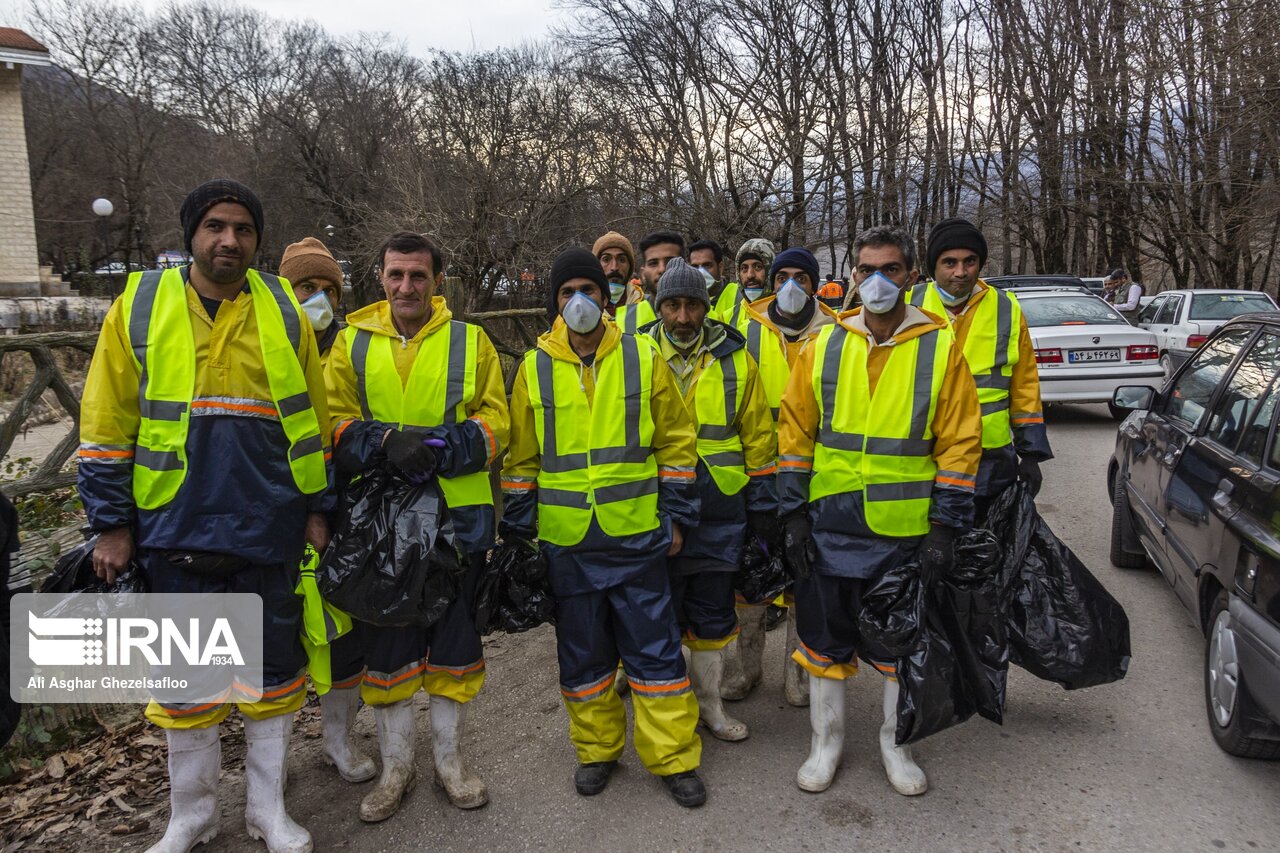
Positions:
{"x": 1076, "y": 356}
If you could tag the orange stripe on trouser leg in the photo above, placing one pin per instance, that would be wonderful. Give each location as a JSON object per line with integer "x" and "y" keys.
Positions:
{"x": 665, "y": 735}
{"x": 597, "y": 726}
{"x": 381, "y": 688}
{"x": 461, "y": 684}
{"x": 195, "y": 717}
{"x": 822, "y": 666}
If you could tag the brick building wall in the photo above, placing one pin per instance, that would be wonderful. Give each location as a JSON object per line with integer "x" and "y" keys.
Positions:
{"x": 19, "y": 270}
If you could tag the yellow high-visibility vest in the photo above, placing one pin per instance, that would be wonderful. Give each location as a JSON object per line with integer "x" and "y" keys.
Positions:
{"x": 158, "y": 320}
{"x": 717, "y": 399}
{"x": 770, "y": 353}
{"x": 597, "y": 459}
{"x": 879, "y": 445}
{"x": 730, "y": 306}
{"x": 630, "y": 318}
{"x": 441, "y": 382}
{"x": 990, "y": 349}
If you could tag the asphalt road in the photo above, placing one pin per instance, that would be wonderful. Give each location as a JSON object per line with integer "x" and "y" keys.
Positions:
{"x": 1125, "y": 766}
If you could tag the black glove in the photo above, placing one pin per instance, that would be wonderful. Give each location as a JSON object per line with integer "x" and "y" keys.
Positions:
{"x": 764, "y": 526}
{"x": 413, "y": 455}
{"x": 937, "y": 553}
{"x": 798, "y": 550}
{"x": 1029, "y": 473}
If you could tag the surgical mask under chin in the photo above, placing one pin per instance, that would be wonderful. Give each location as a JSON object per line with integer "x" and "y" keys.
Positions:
{"x": 878, "y": 293}
{"x": 751, "y": 294}
{"x": 616, "y": 292}
{"x": 791, "y": 298}
{"x": 949, "y": 300}
{"x": 680, "y": 343}
{"x": 582, "y": 314}
{"x": 318, "y": 310}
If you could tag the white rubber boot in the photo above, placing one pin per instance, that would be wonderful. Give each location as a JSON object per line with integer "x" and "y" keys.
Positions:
{"x": 395, "y": 742}
{"x": 795, "y": 680}
{"x": 706, "y": 670}
{"x": 465, "y": 790}
{"x": 904, "y": 774}
{"x": 266, "y": 754}
{"x": 337, "y": 717}
{"x": 744, "y": 669}
{"x": 194, "y": 758}
{"x": 826, "y": 746}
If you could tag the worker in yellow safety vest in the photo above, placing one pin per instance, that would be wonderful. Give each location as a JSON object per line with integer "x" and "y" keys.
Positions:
{"x": 754, "y": 259}
{"x": 656, "y": 250}
{"x": 993, "y": 334}
{"x": 414, "y": 390}
{"x": 618, "y": 260}
{"x": 878, "y": 451}
{"x": 737, "y": 450}
{"x": 602, "y": 471}
{"x": 728, "y": 301}
{"x": 204, "y": 454}
{"x": 779, "y": 327}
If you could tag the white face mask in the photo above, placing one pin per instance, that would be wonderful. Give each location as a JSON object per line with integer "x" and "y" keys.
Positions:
{"x": 318, "y": 310}
{"x": 616, "y": 292}
{"x": 708, "y": 279}
{"x": 949, "y": 300}
{"x": 582, "y": 314}
{"x": 791, "y": 298}
{"x": 879, "y": 293}
{"x": 751, "y": 294}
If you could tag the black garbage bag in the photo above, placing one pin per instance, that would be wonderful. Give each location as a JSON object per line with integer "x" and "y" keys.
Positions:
{"x": 761, "y": 576}
{"x": 515, "y": 592}
{"x": 393, "y": 560}
{"x": 933, "y": 691}
{"x": 74, "y": 573}
{"x": 971, "y": 608}
{"x": 892, "y": 613}
{"x": 1063, "y": 624}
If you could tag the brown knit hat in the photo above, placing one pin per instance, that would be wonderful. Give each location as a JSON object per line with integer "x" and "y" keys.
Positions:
{"x": 614, "y": 240}
{"x": 309, "y": 258}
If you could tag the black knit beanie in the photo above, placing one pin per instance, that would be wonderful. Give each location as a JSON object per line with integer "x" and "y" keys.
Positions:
{"x": 568, "y": 265}
{"x": 954, "y": 234}
{"x": 205, "y": 196}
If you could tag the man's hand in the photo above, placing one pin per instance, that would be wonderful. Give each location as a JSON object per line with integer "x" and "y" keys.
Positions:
{"x": 937, "y": 553}
{"x": 317, "y": 533}
{"x": 413, "y": 455}
{"x": 112, "y": 552}
{"x": 797, "y": 545}
{"x": 1029, "y": 472}
{"x": 677, "y": 540}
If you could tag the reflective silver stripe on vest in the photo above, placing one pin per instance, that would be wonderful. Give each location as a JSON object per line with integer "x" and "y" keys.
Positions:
{"x": 629, "y": 319}
{"x": 912, "y": 491}
{"x": 918, "y": 293}
{"x": 312, "y": 444}
{"x": 994, "y": 406}
{"x": 830, "y": 377}
{"x": 359, "y": 363}
{"x": 1004, "y": 328}
{"x": 157, "y": 460}
{"x": 626, "y": 491}
{"x": 144, "y": 302}
{"x": 726, "y": 459}
{"x": 753, "y": 343}
{"x": 725, "y": 431}
{"x": 900, "y": 446}
{"x": 631, "y": 452}
{"x": 295, "y": 404}
{"x": 922, "y": 392}
{"x": 993, "y": 380}
{"x": 456, "y": 378}
{"x": 292, "y": 328}
{"x": 552, "y": 461}
{"x": 158, "y": 410}
{"x": 563, "y": 497}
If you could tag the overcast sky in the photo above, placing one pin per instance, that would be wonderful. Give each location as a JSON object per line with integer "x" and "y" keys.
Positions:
{"x": 421, "y": 25}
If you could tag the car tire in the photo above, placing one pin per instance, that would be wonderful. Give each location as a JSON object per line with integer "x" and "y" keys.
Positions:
{"x": 1120, "y": 521}
{"x": 1225, "y": 695}
{"x": 1166, "y": 364}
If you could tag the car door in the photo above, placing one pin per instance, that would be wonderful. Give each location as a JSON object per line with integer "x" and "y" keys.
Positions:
{"x": 1166, "y": 323}
{"x": 1150, "y": 311}
{"x": 1164, "y": 434}
{"x": 1207, "y": 479}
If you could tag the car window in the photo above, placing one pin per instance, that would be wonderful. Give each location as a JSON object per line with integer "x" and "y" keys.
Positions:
{"x": 1224, "y": 306}
{"x": 1187, "y": 399}
{"x": 1245, "y": 390}
{"x": 1069, "y": 310}
{"x": 1255, "y": 436}
{"x": 1150, "y": 310}
{"x": 1169, "y": 310}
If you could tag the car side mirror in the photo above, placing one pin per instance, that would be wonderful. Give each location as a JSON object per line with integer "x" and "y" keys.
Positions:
{"x": 1133, "y": 397}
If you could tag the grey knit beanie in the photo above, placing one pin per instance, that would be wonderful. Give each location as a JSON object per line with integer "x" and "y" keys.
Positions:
{"x": 680, "y": 279}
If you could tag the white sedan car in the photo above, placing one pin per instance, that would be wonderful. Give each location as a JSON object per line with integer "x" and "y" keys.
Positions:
{"x": 1183, "y": 319}
{"x": 1085, "y": 349}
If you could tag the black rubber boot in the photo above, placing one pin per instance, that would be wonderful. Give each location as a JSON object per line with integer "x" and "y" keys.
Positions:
{"x": 686, "y": 789}
{"x": 591, "y": 779}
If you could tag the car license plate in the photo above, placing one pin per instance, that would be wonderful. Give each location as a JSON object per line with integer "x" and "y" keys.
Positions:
{"x": 1076, "y": 356}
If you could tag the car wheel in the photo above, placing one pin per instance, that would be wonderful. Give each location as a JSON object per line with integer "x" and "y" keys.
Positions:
{"x": 1166, "y": 364}
{"x": 1226, "y": 698}
{"x": 1120, "y": 522}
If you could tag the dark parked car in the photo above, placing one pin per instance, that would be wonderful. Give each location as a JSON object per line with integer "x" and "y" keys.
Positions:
{"x": 1195, "y": 487}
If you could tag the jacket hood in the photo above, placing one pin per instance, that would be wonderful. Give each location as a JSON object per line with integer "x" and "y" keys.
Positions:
{"x": 555, "y": 342}
{"x": 376, "y": 318}
{"x": 723, "y": 338}
{"x": 920, "y": 322}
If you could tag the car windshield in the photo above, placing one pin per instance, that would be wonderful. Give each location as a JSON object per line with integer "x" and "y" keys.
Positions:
{"x": 1224, "y": 306}
{"x": 1070, "y": 311}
